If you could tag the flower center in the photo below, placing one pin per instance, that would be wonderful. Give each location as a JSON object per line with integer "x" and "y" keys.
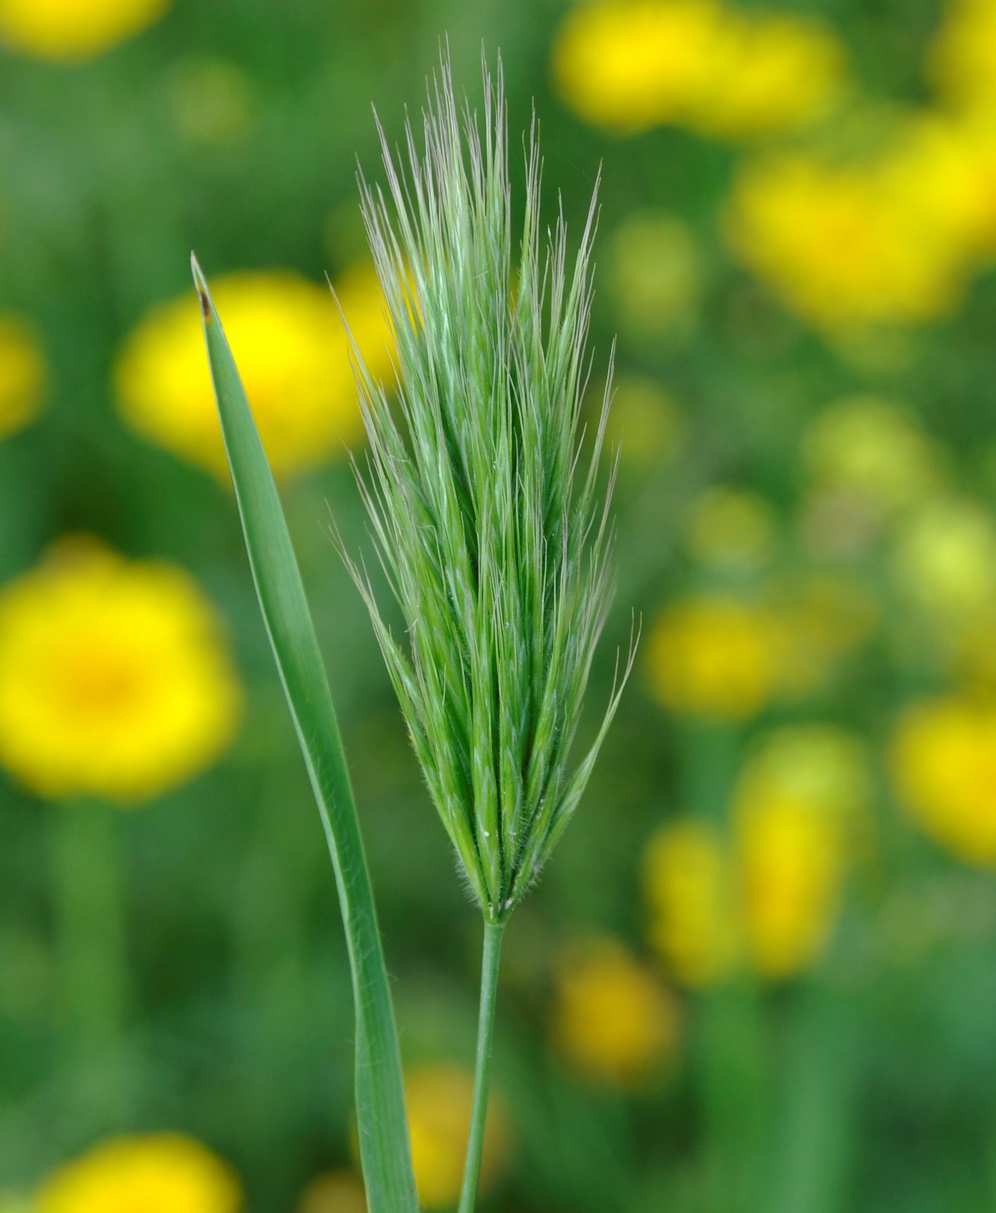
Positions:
{"x": 100, "y": 683}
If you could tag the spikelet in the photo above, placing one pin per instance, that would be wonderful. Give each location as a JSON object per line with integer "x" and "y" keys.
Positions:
{"x": 490, "y": 523}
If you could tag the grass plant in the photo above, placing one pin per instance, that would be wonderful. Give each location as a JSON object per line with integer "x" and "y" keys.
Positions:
{"x": 493, "y": 531}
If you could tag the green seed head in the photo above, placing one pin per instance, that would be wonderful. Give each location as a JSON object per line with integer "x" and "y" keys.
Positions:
{"x": 489, "y": 521}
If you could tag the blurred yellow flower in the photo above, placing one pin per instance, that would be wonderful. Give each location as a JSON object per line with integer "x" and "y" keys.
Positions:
{"x": 644, "y": 422}
{"x": 613, "y": 1020}
{"x": 634, "y": 64}
{"x": 945, "y": 559}
{"x": 841, "y": 245}
{"x": 438, "y": 1099}
{"x": 293, "y": 356}
{"x": 114, "y": 679}
{"x": 888, "y": 240}
{"x": 963, "y": 54}
{"x": 945, "y": 169}
{"x": 158, "y": 1174}
{"x": 334, "y": 1192}
{"x": 791, "y": 868}
{"x": 770, "y": 896}
{"x": 22, "y": 375}
{"x": 819, "y": 765}
{"x": 71, "y": 30}
{"x": 868, "y": 447}
{"x": 654, "y": 275}
{"x": 800, "y": 805}
{"x": 731, "y": 528}
{"x": 688, "y": 884}
{"x": 943, "y": 764}
{"x": 768, "y": 73}
{"x": 715, "y": 657}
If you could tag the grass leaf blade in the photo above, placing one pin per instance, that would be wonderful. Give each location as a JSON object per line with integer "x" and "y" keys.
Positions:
{"x": 382, "y": 1128}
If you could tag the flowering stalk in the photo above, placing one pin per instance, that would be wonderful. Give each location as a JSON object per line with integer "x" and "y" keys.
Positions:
{"x": 492, "y": 534}
{"x": 489, "y": 521}
{"x": 493, "y": 932}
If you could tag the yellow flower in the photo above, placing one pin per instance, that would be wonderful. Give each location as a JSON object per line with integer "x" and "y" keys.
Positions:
{"x": 769, "y": 73}
{"x": 613, "y": 1020}
{"x": 70, "y": 30}
{"x": 114, "y": 680}
{"x": 438, "y": 1099}
{"x": 945, "y": 559}
{"x": 946, "y": 171}
{"x": 334, "y": 1192}
{"x": 799, "y": 804}
{"x": 715, "y": 657}
{"x": 889, "y": 240}
{"x": 771, "y": 897}
{"x": 22, "y": 375}
{"x": 688, "y": 886}
{"x": 158, "y": 1174}
{"x": 963, "y": 54}
{"x": 791, "y": 865}
{"x": 840, "y": 245}
{"x": 943, "y": 764}
{"x": 731, "y": 528}
{"x": 293, "y": 356}
{"x": 654, "y": 275}
{"x": 634, "y": 64}
{"x": 815, "y": 764}
{"x": 869, "y": 448}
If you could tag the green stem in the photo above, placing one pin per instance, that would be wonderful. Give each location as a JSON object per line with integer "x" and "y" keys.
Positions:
{"x": 493, "y": 932}
{"x": 817, "y": 1132}
{"x": 734, "y": 1078}
{"x": 93, "y": 971}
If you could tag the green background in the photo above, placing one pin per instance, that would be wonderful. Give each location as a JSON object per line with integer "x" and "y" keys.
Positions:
{"x": 866, "y": 1085}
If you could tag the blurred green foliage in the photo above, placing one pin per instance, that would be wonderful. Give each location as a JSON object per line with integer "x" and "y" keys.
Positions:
{"x": 865, "y": 1081}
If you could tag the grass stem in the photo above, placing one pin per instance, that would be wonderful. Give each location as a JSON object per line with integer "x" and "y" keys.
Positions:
{"x": 93, "y": 970}
{"x": 493, "y": 932}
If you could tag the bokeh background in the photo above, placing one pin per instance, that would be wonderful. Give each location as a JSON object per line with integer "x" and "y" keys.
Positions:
{"x": 760, "y": 971}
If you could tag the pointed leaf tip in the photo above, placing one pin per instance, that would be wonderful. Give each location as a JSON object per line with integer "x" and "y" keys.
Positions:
{"x": 202, "y": 288}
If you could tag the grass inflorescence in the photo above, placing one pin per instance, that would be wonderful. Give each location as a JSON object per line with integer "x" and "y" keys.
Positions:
{"x": 491, "y": 522}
